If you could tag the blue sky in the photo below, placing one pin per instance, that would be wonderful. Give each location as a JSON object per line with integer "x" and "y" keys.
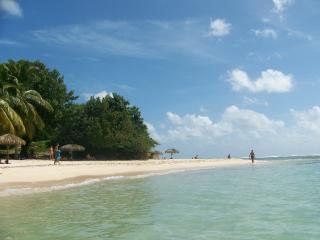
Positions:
{"x": 210, "y": 77}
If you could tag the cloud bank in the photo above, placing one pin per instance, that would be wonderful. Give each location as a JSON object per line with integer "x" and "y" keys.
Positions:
{"x": 238, "y": 130}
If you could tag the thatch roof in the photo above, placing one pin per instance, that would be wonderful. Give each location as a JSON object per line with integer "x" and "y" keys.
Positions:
{"x": 72, "y": 148}
{"x": 172, "y": 150}
{"x": 10, "y": 140}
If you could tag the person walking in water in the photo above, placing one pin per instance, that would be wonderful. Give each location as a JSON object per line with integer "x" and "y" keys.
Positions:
{"x": 252, "y": 156}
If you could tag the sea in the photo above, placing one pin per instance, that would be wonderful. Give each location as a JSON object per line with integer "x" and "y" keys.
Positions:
{"x": 278, "y": 199}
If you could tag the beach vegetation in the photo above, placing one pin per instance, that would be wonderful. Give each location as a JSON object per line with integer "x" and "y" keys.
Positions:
{"x": 36, "y": 105}
{"x": 11, "y": 122}
{"x": 109, "y": 127}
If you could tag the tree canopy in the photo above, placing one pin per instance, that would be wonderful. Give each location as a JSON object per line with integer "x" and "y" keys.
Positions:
{"x": 36, "y": 105}
{"x": 108, "y": 127}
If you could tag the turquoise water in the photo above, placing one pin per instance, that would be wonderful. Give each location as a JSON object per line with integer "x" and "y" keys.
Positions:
{"x": 278, "y": 200}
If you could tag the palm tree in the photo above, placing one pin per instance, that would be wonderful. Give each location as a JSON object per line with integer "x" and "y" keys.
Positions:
{"x": 172, "y": 151}
{"x": 26, "y": 103}
{"x": 11, "y": 122}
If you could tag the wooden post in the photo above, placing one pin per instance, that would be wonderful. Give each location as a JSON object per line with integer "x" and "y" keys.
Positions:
{"x": 7, "y": 160}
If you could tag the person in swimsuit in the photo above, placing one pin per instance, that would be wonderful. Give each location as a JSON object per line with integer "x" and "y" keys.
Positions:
{"x": 58, "y": 157}
{"x": 51, "y": 153}
{"x": 252, "y": 156}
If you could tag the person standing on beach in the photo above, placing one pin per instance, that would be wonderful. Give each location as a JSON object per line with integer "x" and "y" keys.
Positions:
{"x": 252, "y": 156}
{"x": 51, "y": 153}
{"x": 58, "y": 156}
{"x": 55, "y": 153}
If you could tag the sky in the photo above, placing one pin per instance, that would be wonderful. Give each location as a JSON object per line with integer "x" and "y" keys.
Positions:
{"x": 210, "y": 77}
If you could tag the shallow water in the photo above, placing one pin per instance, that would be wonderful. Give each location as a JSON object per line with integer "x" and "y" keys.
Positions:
{"x": 278, "y": 200}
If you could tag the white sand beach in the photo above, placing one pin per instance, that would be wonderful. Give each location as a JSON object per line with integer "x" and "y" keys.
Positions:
{"x": 29, "y": 173}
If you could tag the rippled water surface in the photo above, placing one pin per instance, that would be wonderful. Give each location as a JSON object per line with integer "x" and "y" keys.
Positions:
{"x": 277, "y": 200}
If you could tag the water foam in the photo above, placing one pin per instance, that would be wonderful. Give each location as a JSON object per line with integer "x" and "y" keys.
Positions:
{"x": 23, "y": 191}
{"x": 30, "y": 190}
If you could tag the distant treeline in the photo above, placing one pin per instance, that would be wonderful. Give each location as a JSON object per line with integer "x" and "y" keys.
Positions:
{"x": 35, "y": 104}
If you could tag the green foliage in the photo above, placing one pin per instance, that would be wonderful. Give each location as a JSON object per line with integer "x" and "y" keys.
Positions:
{"x": 49, "y": 84}
{"x": 35, "y": 104}
{"x": 108, "y": 127}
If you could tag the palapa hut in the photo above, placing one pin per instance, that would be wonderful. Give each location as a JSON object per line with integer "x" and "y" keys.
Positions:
{"x": 72, "y": 148}
{"x": 155, "y": 155}
{"x": 10, "y": 140}
{"x": 172, "y": 151}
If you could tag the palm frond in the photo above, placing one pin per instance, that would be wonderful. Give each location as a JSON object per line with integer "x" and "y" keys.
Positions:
{"x": 6, "y": 124}
{"x": 34, "y": 97}
{"x": 14, "y": 118}
{"x": 36, "y": 119}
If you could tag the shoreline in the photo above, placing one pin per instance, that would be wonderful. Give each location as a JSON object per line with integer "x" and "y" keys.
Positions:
{"x": 22, "y": 174}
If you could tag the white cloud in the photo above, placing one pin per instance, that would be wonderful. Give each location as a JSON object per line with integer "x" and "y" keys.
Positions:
{"x": 174, "y": 118}
{"x": 125, "y": 87}
{"x": 299, "y": 34}
{"x": 308, "y": 119}
{"x": 265, "y": 57}
{"x": 267, "y": 33}
{"x": 9, "y": 42}
{"x": 100, "y": 95}
{"x": 238, "y": 130}
{"x": 204, "y": 109}
{"x": 281, "y": 5}
{"x": 219, "y": 28}
{"x": 247, "y": 121}
{"x": 153, "y": 132}
{"x": 269, "y": 81}
{"x": 244, "y": 122}
{"x": 109, "y": 37}
{"x": 194, "y": 126}
{"x": 11, "y": 7}
{"x": 254, "y": 101}
{"x": 140, "y": 39}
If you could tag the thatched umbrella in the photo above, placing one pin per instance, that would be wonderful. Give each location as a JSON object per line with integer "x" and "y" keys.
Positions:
{"x": 172, "y": 151}
{"x": 10, "y": 140}
{"x": 72, "y": 148}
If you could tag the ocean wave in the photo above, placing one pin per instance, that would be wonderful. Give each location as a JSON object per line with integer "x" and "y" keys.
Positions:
{"x": 288, "y": 157}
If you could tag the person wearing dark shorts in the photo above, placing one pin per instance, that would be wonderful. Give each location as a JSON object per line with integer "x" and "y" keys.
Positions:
{"x": 252, "y": 156}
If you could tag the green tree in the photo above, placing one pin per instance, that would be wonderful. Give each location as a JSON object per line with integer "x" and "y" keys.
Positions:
{"x": 35, "y": 104}
{"x": 116, "y": 129}
{"x": 51, "y": 87}
{"x": 11, "y": 122}
{"x": 109, "y": 128}
{"x": 26, "y": 103}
